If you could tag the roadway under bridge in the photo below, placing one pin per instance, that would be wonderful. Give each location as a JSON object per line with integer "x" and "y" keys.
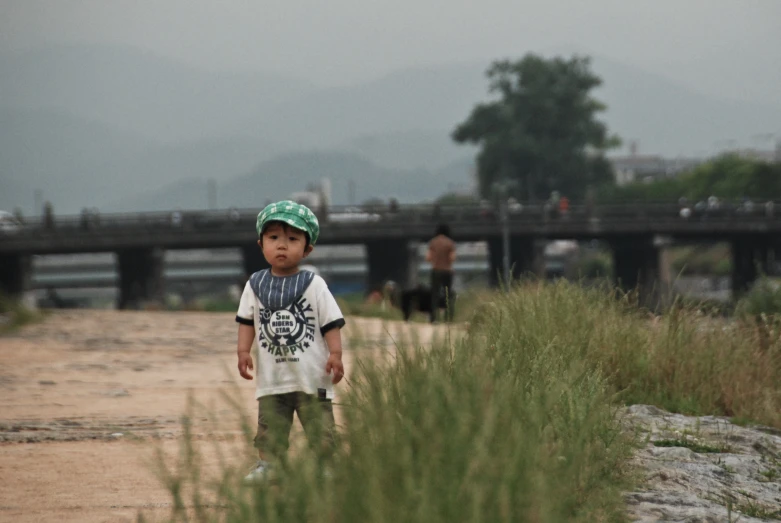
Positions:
{"x": 637, "y": 235}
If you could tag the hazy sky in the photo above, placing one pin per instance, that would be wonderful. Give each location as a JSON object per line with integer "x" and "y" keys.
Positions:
{"x": 714, "y": 44}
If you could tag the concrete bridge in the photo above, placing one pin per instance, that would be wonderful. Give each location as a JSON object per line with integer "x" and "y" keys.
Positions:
{"x": 637, "y": 235}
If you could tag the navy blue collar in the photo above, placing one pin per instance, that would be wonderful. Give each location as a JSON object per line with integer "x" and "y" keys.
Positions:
{"x": 279, "y": 292}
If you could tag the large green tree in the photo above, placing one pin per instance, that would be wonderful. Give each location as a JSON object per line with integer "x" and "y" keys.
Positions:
{"x": 542, "y": 134}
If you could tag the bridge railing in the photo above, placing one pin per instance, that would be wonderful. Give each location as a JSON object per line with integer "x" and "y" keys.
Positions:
{"x": 411, "y": 215}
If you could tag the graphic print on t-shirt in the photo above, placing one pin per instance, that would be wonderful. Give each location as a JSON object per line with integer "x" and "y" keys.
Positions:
{"x": 287, "y": 332}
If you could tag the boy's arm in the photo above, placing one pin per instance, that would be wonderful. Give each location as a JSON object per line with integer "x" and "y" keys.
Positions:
{"x": 331, "y": 320}
{"x": 333, "y": 339}
{"x": 246, "y": 337}
{"x": 245, "y": 318}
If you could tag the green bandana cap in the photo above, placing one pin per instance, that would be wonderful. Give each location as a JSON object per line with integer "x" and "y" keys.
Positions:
{"x": 293, "y": 214}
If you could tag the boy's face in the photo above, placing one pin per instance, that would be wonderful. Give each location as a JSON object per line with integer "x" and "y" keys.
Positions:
{"x": 284, "y": 247}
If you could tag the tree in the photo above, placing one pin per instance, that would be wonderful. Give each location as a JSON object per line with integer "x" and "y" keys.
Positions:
{"x": 542, "y": 132}
{"x": 726, "y": 177}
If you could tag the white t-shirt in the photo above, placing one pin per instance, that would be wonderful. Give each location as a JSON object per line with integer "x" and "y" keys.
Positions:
{"x": 292, "y": 353}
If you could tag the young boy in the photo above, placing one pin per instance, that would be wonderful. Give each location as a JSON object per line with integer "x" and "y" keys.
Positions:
{"x": 297, "y": 323}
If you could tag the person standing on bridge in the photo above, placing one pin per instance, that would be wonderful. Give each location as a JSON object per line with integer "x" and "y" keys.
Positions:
{"x": 441, "y": 254}
{"x": 296, "y": 322}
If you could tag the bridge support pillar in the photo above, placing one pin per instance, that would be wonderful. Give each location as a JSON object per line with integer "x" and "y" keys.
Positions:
{"x": 140, "y": 277}
{"x": 750, "y": 258}
{"x": 639, "y": 268}
{"x": 15, "y": 273}
{"x": 253, "y": 260}
{"x": 390, "y": 260}
{"x": 525, "y": 259}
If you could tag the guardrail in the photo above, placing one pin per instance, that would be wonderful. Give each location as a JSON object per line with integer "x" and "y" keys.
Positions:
{"x": 184, "y": 229}
{"x": 414, "y": 214}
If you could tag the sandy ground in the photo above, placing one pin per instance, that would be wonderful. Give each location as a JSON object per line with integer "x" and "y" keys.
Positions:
{"x": 87, "y": 398}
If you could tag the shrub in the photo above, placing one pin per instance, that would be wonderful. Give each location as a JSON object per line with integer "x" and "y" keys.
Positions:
{"x": 595, "y": 267}
{"x": 14, "y": 314}
{"x": 764, "y": 299}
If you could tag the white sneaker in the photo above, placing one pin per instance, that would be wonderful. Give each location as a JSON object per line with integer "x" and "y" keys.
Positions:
{"x": 261, "y": 472}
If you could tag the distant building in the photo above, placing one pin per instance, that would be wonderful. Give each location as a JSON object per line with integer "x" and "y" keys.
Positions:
{"x": 648, "y": 168}
{"x": 316, "y": 196}
{"x": 311, "y": 199}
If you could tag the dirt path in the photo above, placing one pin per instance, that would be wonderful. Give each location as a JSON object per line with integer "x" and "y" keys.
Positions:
{"x": 87, "y": 395}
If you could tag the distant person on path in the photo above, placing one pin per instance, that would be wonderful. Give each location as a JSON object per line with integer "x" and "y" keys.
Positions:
{"x": 563, "y": 206}
{"x": 296, "y": 322}
{"x": 441, "y": 254}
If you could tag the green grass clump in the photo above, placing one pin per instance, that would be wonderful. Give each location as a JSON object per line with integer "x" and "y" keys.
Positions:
{"x": 14, "y": 314}
{"x": 763, "y": 300}
{"x": 482, "y": 431}
{"x": 595, "y": 266}
{"x": 515, "y": 420}
{"x": 714, "y": 260}
{"x": 682, "y": 361}
{"x": 503, "y": 424}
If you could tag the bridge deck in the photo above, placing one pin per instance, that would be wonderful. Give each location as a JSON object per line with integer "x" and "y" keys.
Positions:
{"x": 215, "y": 229}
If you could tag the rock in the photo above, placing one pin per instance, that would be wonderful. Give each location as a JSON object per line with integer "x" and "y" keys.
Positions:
{"x": 686, "y": 480}
{"x": 673, "y": 453}
{"x": 645, "y": 410}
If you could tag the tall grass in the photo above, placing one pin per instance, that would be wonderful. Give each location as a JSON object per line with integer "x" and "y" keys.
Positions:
{"x": 13, "y": 314}
{"x": 682, "y": 361}
{"x": 465, "y": 435}
{"x": 503, "y": 424}
{"x": 515, "y": 420}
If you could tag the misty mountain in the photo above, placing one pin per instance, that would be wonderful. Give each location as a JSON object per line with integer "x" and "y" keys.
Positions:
{"x": 96, "y": 125}
{"x": 41, "y": 145}
{"x": 407, "y": 113}
{"x": 187, "y": 193}
{"x": 412, "y": 149}
{"x": 279, "y": 177}
{"x": 672, "y": 120}
{"x": 434, "y": 98}
{"x": 217, "y": 159}
{"x": 165, "y": 101}
{"x": 76, "y": 163}
{"x": 66, "y": 157}
{"x": 664, "y": 117}
{"x": 138, "y": 91}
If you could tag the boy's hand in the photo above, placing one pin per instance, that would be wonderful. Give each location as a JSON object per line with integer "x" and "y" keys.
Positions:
{"x": 245, "y": 362}
{"x": 335, "y": 364}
